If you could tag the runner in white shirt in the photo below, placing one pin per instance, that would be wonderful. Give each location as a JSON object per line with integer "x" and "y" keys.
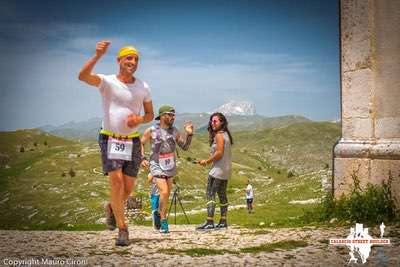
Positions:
{"x": 249, "y": 196}
{"x": 123, "y": 97}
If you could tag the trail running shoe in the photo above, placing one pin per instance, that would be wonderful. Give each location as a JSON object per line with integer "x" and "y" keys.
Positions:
{"x": 110, "y": 218}
{"x": 123, "y": 237}
{"x": 221, "y": 225}
{"x": 208, "y": 225}
{"x": 164, "y": 227}
{"x": 156, "y": 220}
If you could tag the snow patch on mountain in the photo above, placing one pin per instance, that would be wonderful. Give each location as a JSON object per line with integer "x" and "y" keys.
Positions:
{"x": 237, "y": 108}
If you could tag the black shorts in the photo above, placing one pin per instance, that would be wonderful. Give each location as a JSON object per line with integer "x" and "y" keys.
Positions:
{"x": 249, "y": 200}
{"x": 130, "y": 168}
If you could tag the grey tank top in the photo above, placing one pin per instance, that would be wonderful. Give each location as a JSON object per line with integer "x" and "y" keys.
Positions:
{"x": 222, "y": 169}
{"x": 163, "y": 146}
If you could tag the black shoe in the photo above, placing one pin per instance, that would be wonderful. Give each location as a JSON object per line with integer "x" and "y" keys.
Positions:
{"x": 156, "y": 220}
{"x": 123, "y": 237}
{"x": 208, "y": 225}
{"x": 110, "y": 218}
{"x": 221, "y": 225}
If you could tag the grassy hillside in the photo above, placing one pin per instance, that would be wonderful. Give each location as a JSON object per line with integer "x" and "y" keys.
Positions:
{"x": 22, "y": 148}
{"x": 61, "y": 183}
{"x": 36, "y": 186}
{"x": 300, "y": 147}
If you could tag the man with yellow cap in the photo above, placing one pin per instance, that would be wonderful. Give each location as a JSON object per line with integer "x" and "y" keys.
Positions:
{"x": 123, "y": 97}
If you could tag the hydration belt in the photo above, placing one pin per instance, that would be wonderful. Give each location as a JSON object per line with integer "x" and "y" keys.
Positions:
{"x": 109, "y": 133}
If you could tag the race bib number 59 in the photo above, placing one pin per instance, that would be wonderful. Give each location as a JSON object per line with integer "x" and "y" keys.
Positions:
{"x": 119, "y": 148}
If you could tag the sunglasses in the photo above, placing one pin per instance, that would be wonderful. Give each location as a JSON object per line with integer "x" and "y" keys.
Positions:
{"x": 129, "y": 57}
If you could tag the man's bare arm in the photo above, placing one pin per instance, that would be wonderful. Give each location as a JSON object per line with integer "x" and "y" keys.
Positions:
{"x": 86, "y": 74}
{"x": 143, "y": 140}
{"x": 146, "y": 137}
{"x": 134, "y": 120}
{"x": 185, "y": 143}
{"x": 148, "y": 112}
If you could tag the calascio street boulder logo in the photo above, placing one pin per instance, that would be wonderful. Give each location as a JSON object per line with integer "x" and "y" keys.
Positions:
{"x": 360, "y": 242}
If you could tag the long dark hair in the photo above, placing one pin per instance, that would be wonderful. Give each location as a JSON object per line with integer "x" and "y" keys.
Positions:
{"x": 224, "y": 127}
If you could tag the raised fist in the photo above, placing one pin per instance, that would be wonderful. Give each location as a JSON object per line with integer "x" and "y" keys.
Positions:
{"x": 101, "y": 47}
{"x": 188, "y": 126}
{"x": 134, "y": 120}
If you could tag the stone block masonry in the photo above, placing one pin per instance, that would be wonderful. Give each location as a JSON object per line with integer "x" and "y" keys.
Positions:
{"x": 370, "y": 95}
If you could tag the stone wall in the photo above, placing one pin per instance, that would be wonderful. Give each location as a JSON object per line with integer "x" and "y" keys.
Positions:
{"x": 370, "y": 91}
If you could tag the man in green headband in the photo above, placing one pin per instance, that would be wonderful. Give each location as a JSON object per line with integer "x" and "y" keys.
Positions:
{"x": 164, "y": 137}
{"x": 123, "y": 96}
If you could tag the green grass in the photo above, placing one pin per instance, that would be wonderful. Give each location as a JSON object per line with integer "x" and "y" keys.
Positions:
{"x": 268, "y": 216}
{"x": 33, "y": 192}
{"x": 271, "y": 206}
{"x": 271, "y": 247}
{"x": 303, "y": 146}
{"x": 371, "y": 205}
{"x": 197, "y": 252}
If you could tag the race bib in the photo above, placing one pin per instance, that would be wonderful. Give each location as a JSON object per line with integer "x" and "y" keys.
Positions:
{"x": 167, "y": 161}
{"x": 119, "y": 148}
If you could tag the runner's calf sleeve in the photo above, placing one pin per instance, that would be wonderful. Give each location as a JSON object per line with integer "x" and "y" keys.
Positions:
{"x": 154, "y": 201}
{"x": 224, "y": 209}
{"x": 210, "y": 208}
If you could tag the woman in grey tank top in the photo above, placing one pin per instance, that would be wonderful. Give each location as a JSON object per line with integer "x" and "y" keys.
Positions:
{"x": 220, "y": 140}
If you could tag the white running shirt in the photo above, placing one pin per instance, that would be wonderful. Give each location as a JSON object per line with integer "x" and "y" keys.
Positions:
{"x": 120, "y": 100}
{"x": 249, "y": 191}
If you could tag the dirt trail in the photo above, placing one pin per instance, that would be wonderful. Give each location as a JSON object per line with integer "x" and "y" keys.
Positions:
{"x": 150, "y": 248}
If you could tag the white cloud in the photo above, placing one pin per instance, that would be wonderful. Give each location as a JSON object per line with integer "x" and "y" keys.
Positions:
{"x": 51, "y": 93}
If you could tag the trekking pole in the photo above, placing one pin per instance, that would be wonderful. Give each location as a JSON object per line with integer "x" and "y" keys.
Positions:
{"x": 175, "y": 196}
{"x": 180, "y": 203}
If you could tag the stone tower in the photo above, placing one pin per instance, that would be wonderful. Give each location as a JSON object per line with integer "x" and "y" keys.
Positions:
{"x": 370, "y": 95}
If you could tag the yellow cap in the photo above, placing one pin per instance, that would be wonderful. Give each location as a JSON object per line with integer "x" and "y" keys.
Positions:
{"x": 127, "y": 50}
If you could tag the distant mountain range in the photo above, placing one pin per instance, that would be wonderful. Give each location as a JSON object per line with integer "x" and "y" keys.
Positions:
{"x": 88, "y": 130}
{"x": 241, "y": 117}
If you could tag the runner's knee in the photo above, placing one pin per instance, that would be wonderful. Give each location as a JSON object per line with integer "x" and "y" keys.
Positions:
{"x": 117, "y": 181}
{"x": 164, "y": 193}
{"x": 128, "y": 188}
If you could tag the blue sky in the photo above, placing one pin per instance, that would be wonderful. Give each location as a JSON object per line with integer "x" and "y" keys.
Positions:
{"x": 195, "y": 55}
